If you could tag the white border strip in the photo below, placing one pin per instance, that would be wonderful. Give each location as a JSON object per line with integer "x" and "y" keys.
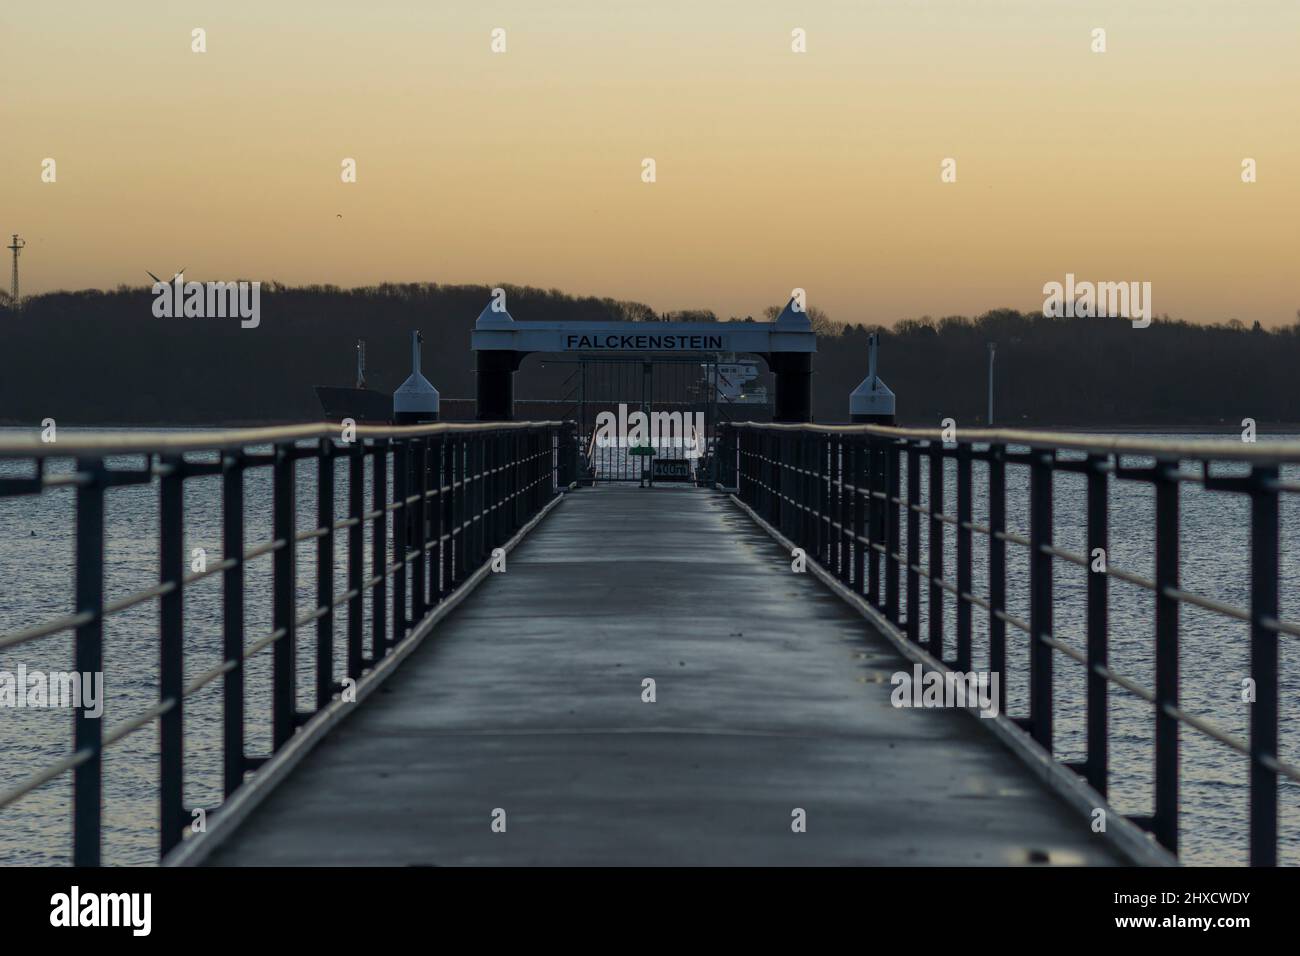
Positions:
{"x": 1130, "y": 840}
{"x": 226, "y": 820}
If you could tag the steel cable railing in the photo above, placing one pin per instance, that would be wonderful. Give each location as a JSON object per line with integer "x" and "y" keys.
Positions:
{"x": 836, "y": 492}
{"x": 458, "y": 492}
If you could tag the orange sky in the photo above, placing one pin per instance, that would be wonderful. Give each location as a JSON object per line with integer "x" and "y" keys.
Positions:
{"x": 775, "y": 169}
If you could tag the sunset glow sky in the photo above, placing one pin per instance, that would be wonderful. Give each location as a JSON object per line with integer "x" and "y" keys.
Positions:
{"x": 775, "y": 169}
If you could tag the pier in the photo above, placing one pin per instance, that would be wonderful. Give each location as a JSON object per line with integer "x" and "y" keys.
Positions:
{"x": 524, "y": 663}
{"x": 771, "y": 696}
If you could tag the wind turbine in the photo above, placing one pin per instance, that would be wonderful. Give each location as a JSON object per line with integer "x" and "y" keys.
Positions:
{"x": 179, "y": 272}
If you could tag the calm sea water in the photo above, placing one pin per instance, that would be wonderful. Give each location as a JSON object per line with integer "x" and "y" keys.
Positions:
{"x": 36, "y": 564}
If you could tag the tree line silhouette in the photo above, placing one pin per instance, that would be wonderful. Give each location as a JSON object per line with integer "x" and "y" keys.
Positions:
{"x": 102, "y": 358}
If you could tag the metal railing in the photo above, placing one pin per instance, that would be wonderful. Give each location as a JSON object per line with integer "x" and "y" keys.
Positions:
{"x": 836, "y": 492}
{"x": 617, "y": 460}
{"x": 457, "y": 492}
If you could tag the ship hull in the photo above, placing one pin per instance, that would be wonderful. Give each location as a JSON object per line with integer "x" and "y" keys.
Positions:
{"x": 363, "y": 405}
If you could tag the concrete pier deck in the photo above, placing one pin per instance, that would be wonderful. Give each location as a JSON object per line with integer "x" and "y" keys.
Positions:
{"x": 771, "y": 694}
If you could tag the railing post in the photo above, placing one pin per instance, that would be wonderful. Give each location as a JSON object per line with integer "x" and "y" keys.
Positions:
{"x": 964, "y": 585}
{"x": 436, "y": 516}
{"x": 875, "y": 516}
{"x": 913, "y": 542}
{"x": 88, "y": 658}
{"x": 521, "y": 511}
{"x": 752, "y": 468}
{"x": 283, "y": 596}
{"x": 1263, "y": 664}
{"x": 751, "y": 471}
{"x": 732, "y": 445}
{"x": 935, "y": 542}
{"x": 545, "y": 484}
{"x": 812, "y": 495}
{"x": 807, "y": 488}
{"x": 1164, "y": 823}
{"x": 1040, "y": 598}
{"x": 480, "y": 444}
{"x": 784, "y": 464}
{"x": 356, "y": 555}
{"x": 779, "y": 466}
{"x": 839, "y": 526}
{"x": 860, "y": 510}
{"x": 787, "y": 463}
{"x": 790, "y": 451}
{"x": 401, "y": 515}
{"x": 733, "y": 457}
{"x": 755, "y": 464}
{"x": 471, "y": 497}
{"x": 500, "y": 454}
{"x": 447, "y": 502}
{"x": 517, "y": 517}
{"x": 794, "y": 513}
{"x": 546, "y": 441}
{"x": 776, "y": 470}
{"x": 325, "y": 573}
{"x": 379, "y": 549}
{"x": 532, "y": 446}
{"x": 1097, "y": 762}
{"x": 765, "y": 469}
{"x": 893, "y": 536}
{"x": 834, "y": 506}
{"x": 460, "y": 496}
{"x": 825, "y": 491}
{"x": 532, "y": 442}
{"x": 571, "y": 461}
{"x": 171, "y": 665}
{"x": 472, "y": 472}
{"x": 564, "y": 449}
{"x": 561, "y": 442}
{"x": 490, "y": 460}
{"x": 232, "y": 631}
{"x": 717, "y": 454}
{"x": 825, "y": 501}
{"x": 505, "y": 475}
{"x": 758, "y": 470}
{"x": 998, "y": 570}
{"x": 730, "y": 457}
{"x": 419, "y": 462}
